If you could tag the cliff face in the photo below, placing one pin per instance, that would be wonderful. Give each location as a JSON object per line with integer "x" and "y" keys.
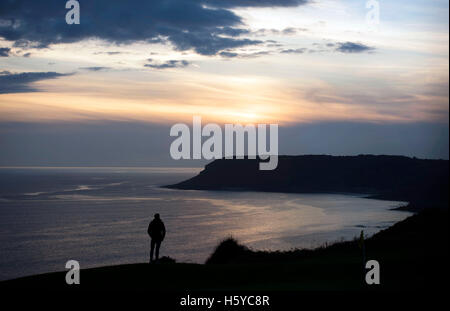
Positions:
{"x": 389, "y": 177}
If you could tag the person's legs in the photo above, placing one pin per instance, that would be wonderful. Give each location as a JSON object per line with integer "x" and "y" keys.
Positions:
{"x": 158, "y": 244}
{"x": 152, "y": 247}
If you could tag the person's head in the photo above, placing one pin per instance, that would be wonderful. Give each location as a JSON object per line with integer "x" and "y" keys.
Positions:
{"x": 157, "y": 216}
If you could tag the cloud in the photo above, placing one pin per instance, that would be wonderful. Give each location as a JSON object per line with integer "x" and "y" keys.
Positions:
{"x": 255, "y": 3}
{"x": 95, "y": 68}
{"x": 294, "y": 51}
{"x": 289, "y": 31}
{"x": 206, "y": 26}
{"x": 233, "y": 32}
{"x": 22, "y": 82}
{"x": 4, "y": 52}
{"x": 285, "y": 32}
{"x": 109, "y": 53}
{"x": 167, "y": 64}
{"x": 255, "y": 54}
{"x": 228, "y": 54}
{"x": 352, "y": 47}
{"x": 330, "y": 47}
{"x": 207, "y": 43}
{"x": 273, "y": 44}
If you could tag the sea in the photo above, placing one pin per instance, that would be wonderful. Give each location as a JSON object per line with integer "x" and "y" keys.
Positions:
{"x": 99, "y": 217}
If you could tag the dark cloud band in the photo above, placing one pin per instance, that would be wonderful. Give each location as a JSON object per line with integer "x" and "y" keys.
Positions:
{"x": 207, "y": 27}
{"x": 4, "y": 52}
{"x": 167, "y": 64}
{"x": 352, "y": 47}
{"x": 22, "y": 82}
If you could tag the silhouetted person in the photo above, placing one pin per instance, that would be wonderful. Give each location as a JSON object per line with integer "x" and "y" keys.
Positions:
{"x": 157, "y": 231}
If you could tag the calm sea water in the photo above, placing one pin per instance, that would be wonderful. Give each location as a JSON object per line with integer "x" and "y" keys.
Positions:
{"x": 99, "y": 216}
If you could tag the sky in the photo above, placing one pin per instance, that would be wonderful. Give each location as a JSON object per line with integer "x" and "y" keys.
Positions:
{"x": 107, "y": 91}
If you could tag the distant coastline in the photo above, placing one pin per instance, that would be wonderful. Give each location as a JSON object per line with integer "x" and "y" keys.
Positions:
{"x": 420, "y": 182}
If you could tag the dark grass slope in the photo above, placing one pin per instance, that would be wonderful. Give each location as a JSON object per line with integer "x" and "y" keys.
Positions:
{"x": 413, "y": 255}
{"x": 421, "y": 234}
{"x": 424, "y": 182}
